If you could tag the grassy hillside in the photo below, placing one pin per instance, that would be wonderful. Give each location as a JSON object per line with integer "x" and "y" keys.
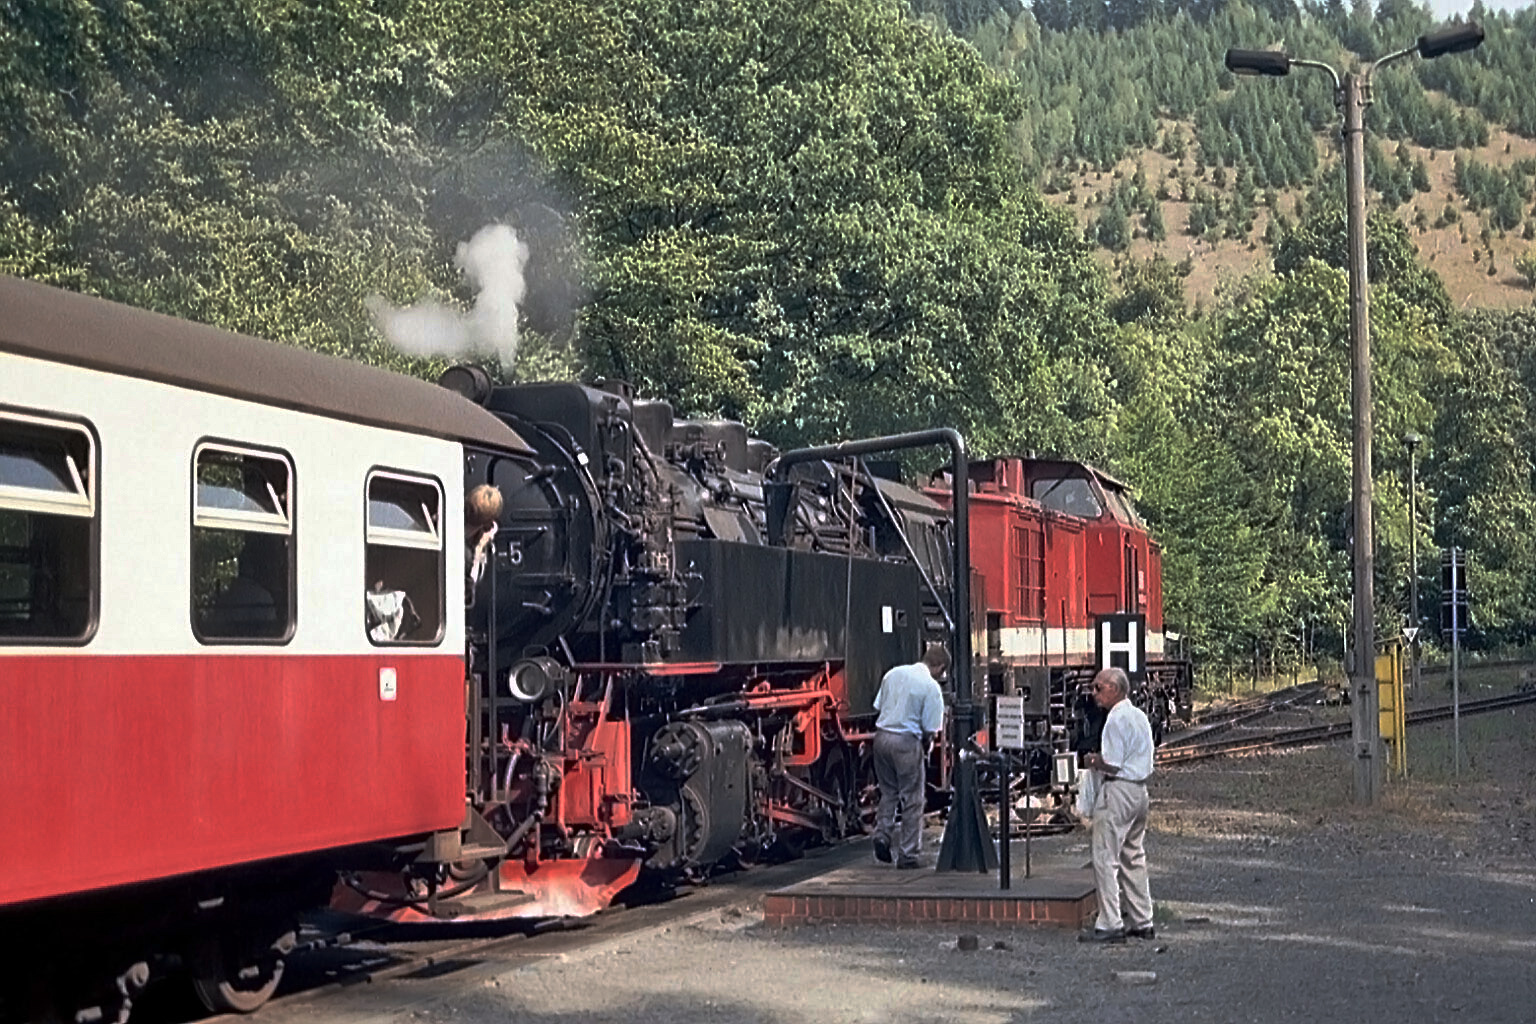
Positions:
{"x": 1454, "y": 251}
{"x": 1132, "y": 120}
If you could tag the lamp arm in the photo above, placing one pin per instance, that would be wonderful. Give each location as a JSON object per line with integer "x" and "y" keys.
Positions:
{"x": 1370, "y": 69}
{"x": 1337, "y": 84}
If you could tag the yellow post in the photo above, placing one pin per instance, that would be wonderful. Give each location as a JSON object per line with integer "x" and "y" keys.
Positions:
{"x": 1393, "y": 712}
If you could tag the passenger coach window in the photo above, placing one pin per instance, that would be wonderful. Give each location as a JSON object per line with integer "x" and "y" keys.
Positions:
{"x": 242, "y": 546}
{"x": 403, "y": 602}
{"x": 47, "y": 530}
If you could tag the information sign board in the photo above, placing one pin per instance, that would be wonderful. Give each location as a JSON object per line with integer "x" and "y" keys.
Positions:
{"x": 1010, "y": 723}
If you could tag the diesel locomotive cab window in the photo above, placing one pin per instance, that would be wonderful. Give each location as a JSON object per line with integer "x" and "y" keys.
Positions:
{"x": 1070, "y": 494}
{"x": 403, "y": 601}
{"x": 47, "y": 530}
{"x": 1124, "y": 510}
{"x": 242, "y": 546}
{"x": 1029, "y": 571}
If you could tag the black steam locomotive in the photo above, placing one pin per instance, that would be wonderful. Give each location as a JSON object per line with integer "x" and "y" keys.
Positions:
{"x": 674, "y": 659}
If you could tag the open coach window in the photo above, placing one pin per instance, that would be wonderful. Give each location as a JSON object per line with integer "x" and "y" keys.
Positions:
{"x": 48, "y": 561}
{"x": 242, "y": 545}
{"x": 403, "y": 599}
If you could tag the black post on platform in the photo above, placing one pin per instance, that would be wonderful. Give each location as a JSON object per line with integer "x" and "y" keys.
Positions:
{"x": 1004, "y": 798}
{"x": 967, "y": 845}
{"x": 1029, "y": 801}
{"x": 1029, "y": 797}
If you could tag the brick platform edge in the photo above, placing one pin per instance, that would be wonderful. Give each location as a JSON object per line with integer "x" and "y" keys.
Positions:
{"x": 784, "y": 910}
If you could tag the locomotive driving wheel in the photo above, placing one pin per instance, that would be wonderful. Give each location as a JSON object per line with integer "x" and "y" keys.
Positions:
{"x": 233, "y": 974}
{"x": 837, "y": 776}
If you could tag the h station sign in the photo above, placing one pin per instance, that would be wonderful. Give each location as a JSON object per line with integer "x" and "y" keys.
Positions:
{"x": 1121, "y": 642}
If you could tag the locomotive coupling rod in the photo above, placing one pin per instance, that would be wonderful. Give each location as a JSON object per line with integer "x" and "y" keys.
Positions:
{"x": 960, "y": 601}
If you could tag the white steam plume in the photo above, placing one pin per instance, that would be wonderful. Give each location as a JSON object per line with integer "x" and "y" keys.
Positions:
{"x": 493, "y": 263}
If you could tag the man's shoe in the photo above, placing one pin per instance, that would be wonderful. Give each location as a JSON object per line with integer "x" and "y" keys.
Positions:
{"x": 1101, "y": 937}
{"x": 882, "y": 850}
{"x": 1146, "y": 932}
{"x": 908, "y": 864}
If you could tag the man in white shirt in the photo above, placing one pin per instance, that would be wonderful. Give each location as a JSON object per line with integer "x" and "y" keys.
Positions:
{"x": 911, "y": 707}
{"x": 1123, "y": 764}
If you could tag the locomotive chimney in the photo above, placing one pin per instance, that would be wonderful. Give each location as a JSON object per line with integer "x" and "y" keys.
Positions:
{"x": 469, "y": 380}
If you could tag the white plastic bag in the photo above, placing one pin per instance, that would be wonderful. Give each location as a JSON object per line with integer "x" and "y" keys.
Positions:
{"x": 1087, "y": 792}
{"x": 386, "y": 613}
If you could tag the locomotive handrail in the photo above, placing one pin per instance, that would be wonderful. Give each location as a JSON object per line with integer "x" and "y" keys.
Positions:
{"x": 960, "y": 612}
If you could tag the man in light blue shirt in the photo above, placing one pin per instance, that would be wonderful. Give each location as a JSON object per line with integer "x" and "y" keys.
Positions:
{"x": 911, "y": 707}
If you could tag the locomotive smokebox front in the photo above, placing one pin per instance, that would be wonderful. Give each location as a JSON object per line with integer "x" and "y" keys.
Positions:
{"x": 555, "y": 543}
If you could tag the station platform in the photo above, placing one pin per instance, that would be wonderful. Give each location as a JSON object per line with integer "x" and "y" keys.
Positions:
{"x": 1059, "y": 892}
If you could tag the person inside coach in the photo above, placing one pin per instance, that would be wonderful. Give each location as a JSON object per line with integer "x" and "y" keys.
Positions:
{"x": 482, "y": 509}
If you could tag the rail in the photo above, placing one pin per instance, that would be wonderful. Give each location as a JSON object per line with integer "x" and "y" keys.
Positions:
{"x": 1240, "y": 713}
{"x": 1322, "y": 733}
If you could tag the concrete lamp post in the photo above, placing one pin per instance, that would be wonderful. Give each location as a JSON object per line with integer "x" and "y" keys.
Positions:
{"x": 1411, "y": 441}
{"x": 1352, "y": 93}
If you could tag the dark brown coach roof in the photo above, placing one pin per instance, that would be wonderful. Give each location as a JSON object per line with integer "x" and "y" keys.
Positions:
{"x": 64, "y": 327}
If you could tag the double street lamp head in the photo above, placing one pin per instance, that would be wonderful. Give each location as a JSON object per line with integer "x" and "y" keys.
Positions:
{"x": 1259, "y": 62}
{"x": 1451, "y": 39}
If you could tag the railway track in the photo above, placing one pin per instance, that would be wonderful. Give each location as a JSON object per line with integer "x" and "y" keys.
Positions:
{"x": 342, "y": 962}
{"x": 1199, "y": 751}
{"x": 1241, "y": 713}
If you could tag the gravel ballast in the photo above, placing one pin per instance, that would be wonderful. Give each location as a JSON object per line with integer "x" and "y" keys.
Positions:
{"x": 1276, "y": 901}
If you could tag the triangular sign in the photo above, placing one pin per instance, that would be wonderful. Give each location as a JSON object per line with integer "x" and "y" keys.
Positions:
{"x": 1409, "y": 632}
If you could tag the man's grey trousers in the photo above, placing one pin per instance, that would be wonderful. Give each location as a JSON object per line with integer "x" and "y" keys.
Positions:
{"x": 899, "y": 770}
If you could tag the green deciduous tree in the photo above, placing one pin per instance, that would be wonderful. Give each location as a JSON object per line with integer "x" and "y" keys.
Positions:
{"x": 806, "y": 215}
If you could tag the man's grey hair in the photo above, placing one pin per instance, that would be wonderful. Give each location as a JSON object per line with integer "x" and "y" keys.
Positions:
{"x": 1117, "y": 678}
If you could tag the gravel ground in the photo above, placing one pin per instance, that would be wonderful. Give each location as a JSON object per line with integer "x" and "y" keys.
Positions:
{"x": 1276, "y": 901}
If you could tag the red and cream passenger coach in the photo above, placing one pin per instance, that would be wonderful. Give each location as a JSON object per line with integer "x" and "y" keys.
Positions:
{"x": 231, "y": 632}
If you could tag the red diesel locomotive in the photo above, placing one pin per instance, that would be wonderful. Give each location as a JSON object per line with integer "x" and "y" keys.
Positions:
{"x": 1062, "y": 555}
